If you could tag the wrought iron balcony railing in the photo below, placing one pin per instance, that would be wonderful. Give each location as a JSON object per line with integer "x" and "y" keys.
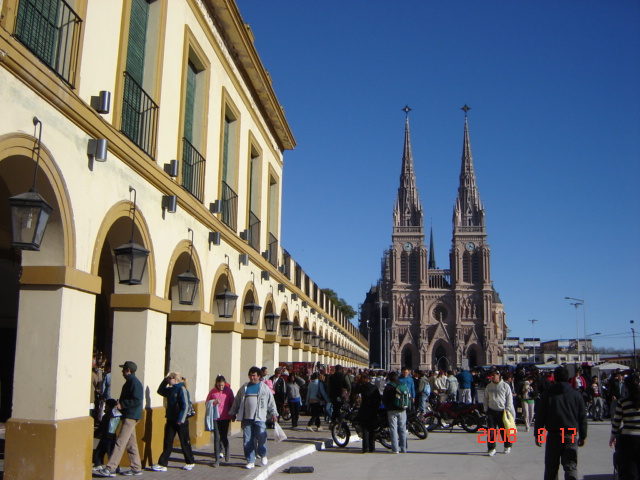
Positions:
{"x": 139, "y": 116}
{"x": 51, "y": 30}
{"x": 192, "y": 170}
{"x": 254, "y": 231}
{"x": 229, "y": 207}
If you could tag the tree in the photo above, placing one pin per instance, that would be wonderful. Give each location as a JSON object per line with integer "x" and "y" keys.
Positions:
{"x": 342, "y": 306}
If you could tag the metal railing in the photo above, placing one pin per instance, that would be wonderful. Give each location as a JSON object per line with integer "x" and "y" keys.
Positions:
{"x": 229, "y": 207}
{"x": 192, "y": 170}
{"x": 139, "y": 116}
{"x": 51, "y": 31}
{"x": 254, "y": 231}
{"x": 273, "y": 250}
{"x": 439, "y": 279}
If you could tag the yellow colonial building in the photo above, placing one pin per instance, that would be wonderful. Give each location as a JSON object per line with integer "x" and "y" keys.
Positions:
{"x": 141, "y": 160}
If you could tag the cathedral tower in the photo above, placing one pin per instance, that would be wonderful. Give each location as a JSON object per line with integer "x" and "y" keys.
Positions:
{"x": 437, "y": 318}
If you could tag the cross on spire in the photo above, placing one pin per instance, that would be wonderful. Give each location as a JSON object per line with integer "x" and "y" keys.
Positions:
{"x": 406, "y": 110}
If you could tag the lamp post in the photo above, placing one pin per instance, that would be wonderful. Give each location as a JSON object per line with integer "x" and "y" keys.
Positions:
{"x": 533, "y": 336}
{"x": 187, "y": 281}
{"x": 576, "y": 303}
{"x": 633, "y": 333}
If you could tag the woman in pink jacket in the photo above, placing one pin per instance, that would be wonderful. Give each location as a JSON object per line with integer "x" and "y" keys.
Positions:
{"x": 222, "y": 397}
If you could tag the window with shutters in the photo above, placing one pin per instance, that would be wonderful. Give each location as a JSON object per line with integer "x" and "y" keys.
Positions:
{"x": 50, "y": 29}
{"x": 193, "y": 160}
{"x": 139, "y": 112}
{"x": 273, "y": 219}
{"x": 414, "y": 259}
{"x": 253, "y": 218}
{"x": 229, "y": 168}
{"x": 404, "y": 267}
{"x": 466, "y": 268}
{"x": 475, "y": 268}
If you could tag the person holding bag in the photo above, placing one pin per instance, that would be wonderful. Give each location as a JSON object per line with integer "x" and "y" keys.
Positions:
{"x": 316, "y": 398}
{"x": 498, "y": 398}
{"x": 178, "y": 403}
{"x": 219, "y": 402}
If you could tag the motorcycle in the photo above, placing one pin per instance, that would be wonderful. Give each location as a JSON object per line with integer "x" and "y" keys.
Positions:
{"x": 347, "y": 419}
{"x": 416, "y": 424}
{"x": 449, "y": 414}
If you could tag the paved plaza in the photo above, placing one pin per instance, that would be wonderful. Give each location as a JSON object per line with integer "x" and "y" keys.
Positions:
{"x": 443, "y": 455}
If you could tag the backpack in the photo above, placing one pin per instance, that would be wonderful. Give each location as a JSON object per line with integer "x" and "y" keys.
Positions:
{"x": 402, "y": 399}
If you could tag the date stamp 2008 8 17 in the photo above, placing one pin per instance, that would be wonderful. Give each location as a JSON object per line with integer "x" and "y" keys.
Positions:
{"x": 501, "y": 435}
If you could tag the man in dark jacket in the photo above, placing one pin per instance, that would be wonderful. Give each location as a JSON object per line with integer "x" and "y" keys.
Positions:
{"x": 561, "y": 411}
{"x": 130, "y": 405}
{"x": 339, "y": 389}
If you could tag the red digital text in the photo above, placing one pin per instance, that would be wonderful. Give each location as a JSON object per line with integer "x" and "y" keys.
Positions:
{"x": 542, "y": 434}
{"x": 499, "y": 435}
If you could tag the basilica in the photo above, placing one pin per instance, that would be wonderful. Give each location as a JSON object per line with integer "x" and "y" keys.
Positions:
{"x": 425, "y": 317}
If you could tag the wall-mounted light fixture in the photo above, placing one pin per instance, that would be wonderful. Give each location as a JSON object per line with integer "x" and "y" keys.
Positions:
{"x": 281, "y": 287}
{"x": 187, "y": 281}
{"x": 131, "y": 258}
{"x": 285, "y": 328}
{"x": 170, "y": 203}
{"x": 321, "y": 342}
{"x": 265, "y": 275}
{"x": 171, "y": 168}
{"x": 29, "y": 211}
{"x": 226, "y": 303}
{"x": 251, "y": 313}
{"x": 304, "y": 304}
{"x": 244, "y": 259}
{"x": 313, "y": 311}
{"x": 97, "y": 149}
{"x": 297, "y": 333}
{"x": 244, "y": 235}
{"x": 102, "y": 102}
{"x": 294, "y": 297}
{"x": 315, "y": 341}
{"x": 271, "y": 321}
{"x": 214, "y": 239}
{"x": 306, "y": 337}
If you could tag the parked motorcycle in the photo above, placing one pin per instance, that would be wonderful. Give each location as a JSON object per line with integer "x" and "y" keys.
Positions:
{"x": 416, "y": 424}
{"x": 447, "y": 415}
{"x": 347, "y": 419}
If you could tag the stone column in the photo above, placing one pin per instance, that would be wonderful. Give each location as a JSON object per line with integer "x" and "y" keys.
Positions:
{"x": 139, "y": 335}
{"x": 50, "y": 433}
{"x": 286, "y": 350}
{"x": 251, "y": 349}
{"x": 225, "y": 353}
{"x": 271, "y": 352}
{"x": 191, "y": 355}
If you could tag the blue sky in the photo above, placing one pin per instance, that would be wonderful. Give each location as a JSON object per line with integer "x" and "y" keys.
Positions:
{"x": 554, "y": 93}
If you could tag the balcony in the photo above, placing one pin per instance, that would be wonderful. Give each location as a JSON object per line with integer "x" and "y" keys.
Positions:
{"x": 254, "y": 231}
{"x": 139, "y": 116}
{"x": 50, "y": 29}
{"x": 192, "y": 170}
{"x": 272, "y": 250}
{"x": 229, "y": 206}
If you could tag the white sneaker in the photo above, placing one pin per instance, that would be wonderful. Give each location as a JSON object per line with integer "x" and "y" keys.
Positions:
{"x": 507, "y": 450}
{"x": 492, "y": 452}
{"x": 310, "y": 429}
{"x": 320, "y": 429}
{"x": 265, "y": 461}
{"x": 159, "y": 468}
{"x": 249, "y": 466}
{"x": 189, "y": 466}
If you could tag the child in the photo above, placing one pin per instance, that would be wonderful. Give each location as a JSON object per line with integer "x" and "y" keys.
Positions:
{"x": 107, "y": 432}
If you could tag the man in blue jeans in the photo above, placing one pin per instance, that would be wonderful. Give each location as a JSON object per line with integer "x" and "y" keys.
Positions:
{"x": 397, "y": 415}
{"x": 252, "y": 406}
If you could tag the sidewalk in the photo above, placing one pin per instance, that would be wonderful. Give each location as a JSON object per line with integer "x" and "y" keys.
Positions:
{"x": 300, "y": 442}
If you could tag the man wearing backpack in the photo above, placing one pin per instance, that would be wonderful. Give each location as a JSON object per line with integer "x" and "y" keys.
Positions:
{"x": 396, "y": 399}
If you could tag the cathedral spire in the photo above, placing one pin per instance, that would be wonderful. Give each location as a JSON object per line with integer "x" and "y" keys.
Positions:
{"x": 468, "y": 211}
{"x": 432, "y": 253}
{"x": 408, "y": 210}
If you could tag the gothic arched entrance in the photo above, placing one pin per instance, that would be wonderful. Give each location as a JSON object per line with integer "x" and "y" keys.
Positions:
{"x": 440, "y": 358}
{"x": 407, "y": 358}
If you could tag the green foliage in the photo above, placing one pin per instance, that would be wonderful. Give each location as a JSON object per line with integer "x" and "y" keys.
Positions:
{"x": 346, "y": 309}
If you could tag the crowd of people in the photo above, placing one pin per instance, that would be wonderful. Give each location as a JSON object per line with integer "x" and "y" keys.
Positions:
{"x": 551, "y": 401}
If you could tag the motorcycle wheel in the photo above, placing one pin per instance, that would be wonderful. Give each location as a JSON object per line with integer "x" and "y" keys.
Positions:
{"x": 430, "y": 422}
{"x": 340, "y": 434}
{"x": 286, "y": 414}
{"x": 471, "y": 422}
{"x": 418, "y": 429}
{"x": 384, "y": 437}
{"x": 445, "y": 423}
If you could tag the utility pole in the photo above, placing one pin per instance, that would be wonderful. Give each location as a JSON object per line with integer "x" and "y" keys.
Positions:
{"x": 533, "y": 331}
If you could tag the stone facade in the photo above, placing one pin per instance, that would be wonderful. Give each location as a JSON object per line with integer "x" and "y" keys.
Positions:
{"x": 425, "y": 317}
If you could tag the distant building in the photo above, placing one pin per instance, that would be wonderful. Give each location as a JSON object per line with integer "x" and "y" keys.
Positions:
{"x": 422, "y": 316}
{"x": 531, "y": 350}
